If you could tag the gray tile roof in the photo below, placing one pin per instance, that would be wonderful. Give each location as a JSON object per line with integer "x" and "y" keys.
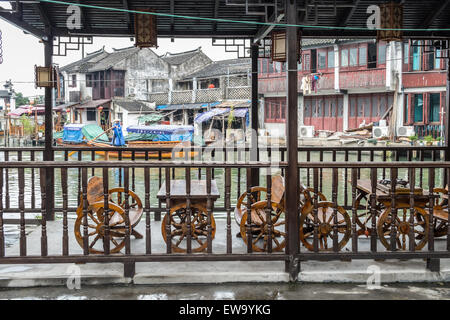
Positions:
{"x": 84, "y": 64}
{"x": 223, "y": 67}
{"x": 179, "y": 58}
{"x": 112, "y": 59}
{"x": 317, "y": 43}
{"x": 133, "y": 106}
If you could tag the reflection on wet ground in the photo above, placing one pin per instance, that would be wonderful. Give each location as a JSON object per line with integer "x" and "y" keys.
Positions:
{"x": 300, "y": 291}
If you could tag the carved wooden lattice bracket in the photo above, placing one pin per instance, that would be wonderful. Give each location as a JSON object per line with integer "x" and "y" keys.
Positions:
{"x": 63, "y": 44}
{"x": 241, "y": 46}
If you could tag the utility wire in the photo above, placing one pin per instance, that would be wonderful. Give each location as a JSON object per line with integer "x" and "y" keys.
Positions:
{"x": 236, "y": 21}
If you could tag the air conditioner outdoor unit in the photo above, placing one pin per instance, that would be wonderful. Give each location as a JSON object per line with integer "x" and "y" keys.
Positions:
{"x": 306, "y": 132}
{"x": 405, "y": 131}
{"x": 380, "y": 132}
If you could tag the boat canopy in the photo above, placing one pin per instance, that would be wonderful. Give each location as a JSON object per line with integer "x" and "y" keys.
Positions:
{"x": 78, "y": 133}
{"x": 161, "y": 133}
{"x": 152, "y": 118}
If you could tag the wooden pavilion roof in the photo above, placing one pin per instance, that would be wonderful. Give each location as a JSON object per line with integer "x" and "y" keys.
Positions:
{"x": 38, "y": 17}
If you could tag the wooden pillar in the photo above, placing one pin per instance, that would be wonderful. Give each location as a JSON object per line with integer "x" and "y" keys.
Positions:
{"x": 292, "y": 172}
{"x": 254, "y": 154}
{"x": 447, "y": 114}
{"x": 48, "y": 153}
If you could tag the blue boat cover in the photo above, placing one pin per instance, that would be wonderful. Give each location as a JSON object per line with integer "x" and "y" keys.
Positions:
{"x": 73, "y": 133}
{"x": 77, "y": 133}
{"x": 165, "y": 132}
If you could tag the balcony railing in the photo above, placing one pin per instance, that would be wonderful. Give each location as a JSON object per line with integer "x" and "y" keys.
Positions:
{"x": 158, "y": 97}
{"x": 200, "y": 95}
{"x": 375, "y": 78}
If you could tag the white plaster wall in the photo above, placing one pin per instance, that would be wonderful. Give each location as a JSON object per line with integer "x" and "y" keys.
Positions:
{"x": 276, "y": 130}
{"x": 142, "y": 66}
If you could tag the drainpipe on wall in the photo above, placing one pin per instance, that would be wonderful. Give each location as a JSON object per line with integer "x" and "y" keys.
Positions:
{"x": 301, "y": 110}
{"x": 336, "y": 68}
{"x": 170, "y": 91}
{"x": 400, "y": 91}
{"x": 194, "y": 90}
{"x": 345, "y": 112}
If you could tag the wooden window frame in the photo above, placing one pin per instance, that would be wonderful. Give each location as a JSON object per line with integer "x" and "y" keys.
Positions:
{"x": 89, "y": 81}
{"x": 330, "y": 69}
{"x": 381, "y": 65}
{"x": 73, "y": 81}
{"x": 323, "y": 51}
{"x": 413, "y": 108}
{"x": 306, "y": 66}
{"x": 270, "y": 107}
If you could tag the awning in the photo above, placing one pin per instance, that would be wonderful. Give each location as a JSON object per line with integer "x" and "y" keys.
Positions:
{"x": 205, "y": 116}
{"x": 27, "y": 110}
{"x": 63, "y": 107}
{"x": 240, "y": 112}
{"x": 235, "y": 104}
{"x": 186, "y": 106}
{"x": 93, "y": 104}
{"x": 237, "y": 113}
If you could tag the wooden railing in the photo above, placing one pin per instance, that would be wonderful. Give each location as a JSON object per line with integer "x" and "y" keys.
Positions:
{"x": 341, "y": 185}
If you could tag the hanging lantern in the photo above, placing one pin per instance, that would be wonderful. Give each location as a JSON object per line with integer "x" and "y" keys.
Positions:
{"x": 44, "y": 77}
{"x": 67, "y": 110}
{"x": 145, "y": 27}
{"x": 100, "y": 108}
{"x": 278, "y": 52}
{"x": 391, "y": 17}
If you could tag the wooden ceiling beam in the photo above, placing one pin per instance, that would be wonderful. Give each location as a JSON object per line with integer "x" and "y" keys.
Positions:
{"x": 345, "y": 20}
{"x": 434, "y": 14}
{"x": 12, "y": 19}
{"x": 265, "y": 30}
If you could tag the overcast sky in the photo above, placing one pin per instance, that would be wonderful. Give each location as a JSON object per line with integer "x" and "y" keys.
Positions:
{"x": 22, "y": 52}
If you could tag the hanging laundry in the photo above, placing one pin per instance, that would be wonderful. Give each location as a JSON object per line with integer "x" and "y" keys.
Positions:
{"x": 306, "y": 85}
{"x": 315, "y": 82}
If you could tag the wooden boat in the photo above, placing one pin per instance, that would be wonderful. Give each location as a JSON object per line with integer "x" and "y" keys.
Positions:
{"x": 142, "y": 154}
{"x": 79, "y": 135}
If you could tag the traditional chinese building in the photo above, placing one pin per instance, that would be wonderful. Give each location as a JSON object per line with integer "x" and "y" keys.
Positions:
{"x": 343, "y": 83}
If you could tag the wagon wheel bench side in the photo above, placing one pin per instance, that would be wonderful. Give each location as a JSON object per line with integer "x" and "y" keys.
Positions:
{"x": 386, "y": 216}
{"x": 117, "y": 217}
{"x": 177, "y": 218}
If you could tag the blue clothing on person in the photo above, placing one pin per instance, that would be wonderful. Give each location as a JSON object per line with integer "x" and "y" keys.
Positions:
{"x": 118, "y": 139}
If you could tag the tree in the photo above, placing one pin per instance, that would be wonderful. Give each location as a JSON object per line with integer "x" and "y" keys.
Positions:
{"x": 21, "y": 100}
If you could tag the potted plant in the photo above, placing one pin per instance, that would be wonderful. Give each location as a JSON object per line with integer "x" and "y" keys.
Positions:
{"x": 429, "y": 140}
{"x": 439, "y": 141}
{"x": 413, "y": 139}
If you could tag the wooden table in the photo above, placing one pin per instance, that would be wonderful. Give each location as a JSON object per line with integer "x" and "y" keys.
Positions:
{"x": 384, "y": 213}
{"x": 198, "y": 191}
{"x": 384, "y": 196}
{"x": 178, "y": 221}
